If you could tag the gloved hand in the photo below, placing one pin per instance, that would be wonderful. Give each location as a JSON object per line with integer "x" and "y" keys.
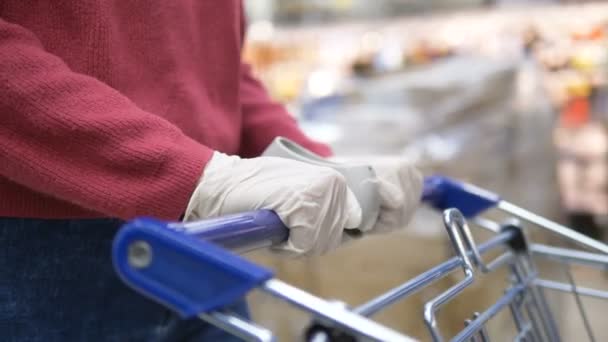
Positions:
{"x": 400, "y": 187}
{"x": 313, "y": 202}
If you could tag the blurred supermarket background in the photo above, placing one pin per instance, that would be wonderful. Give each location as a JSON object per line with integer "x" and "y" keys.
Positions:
{"x": 509, "y": 95}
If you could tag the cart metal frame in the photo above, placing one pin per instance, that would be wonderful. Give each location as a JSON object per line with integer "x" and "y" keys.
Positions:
{"x": 188, "y": 268}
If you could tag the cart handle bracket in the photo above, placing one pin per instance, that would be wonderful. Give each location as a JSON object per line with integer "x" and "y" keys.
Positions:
{"x": 182, "y": 272}
{"x": 443, "y": 193}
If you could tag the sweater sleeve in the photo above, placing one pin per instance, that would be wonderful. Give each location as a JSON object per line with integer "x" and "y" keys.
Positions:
{"x": 75, "y": 138}
{"x": 265, "y": 119}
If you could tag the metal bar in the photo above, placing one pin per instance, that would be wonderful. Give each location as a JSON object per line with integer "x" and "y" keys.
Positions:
{"x": 457, "y": 229}
{"x": 431, "y": 307}
{"x": 496, "y": 241}
{"x": 331, "y": 313}
{"x": 486, "y": 224}
{"x": 563, "y": 287}
{"x": 376, "y": 304}
{"x": 537, "y": 296}
{"x": 500, "y": 261}
{"x": 580, "y": 257}
{"x": 239, "y": 327}
{"x": 553, "y": 227}
{"x": 523, "y": 329}
{"x": 517, "y": 319}
{"x": 537, "y": 331}
{"x": 409, "y": 288}
{"x": 483, "y": 332}
{"x": 579, "y": 303}
{"x": 523, "y": 333}
{"x": 534, "y": 332}
{"x": 543, "y": 310}
{"x": 473, "y": 338}
{"x": 519, "y": 278}
{"x": 478, "y": 322}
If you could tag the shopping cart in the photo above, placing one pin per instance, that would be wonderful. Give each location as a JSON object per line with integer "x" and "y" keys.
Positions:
{"x": 188, "y": 268}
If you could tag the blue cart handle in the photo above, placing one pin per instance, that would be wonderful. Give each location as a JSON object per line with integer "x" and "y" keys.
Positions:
{"x": 240, "y": 232}
{"x": 263, "y": 228}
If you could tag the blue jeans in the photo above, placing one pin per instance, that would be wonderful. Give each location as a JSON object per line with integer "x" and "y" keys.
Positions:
{"x": 57, "y": 284}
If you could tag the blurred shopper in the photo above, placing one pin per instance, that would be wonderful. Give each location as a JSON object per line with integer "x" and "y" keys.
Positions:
{"x": 582, "y": 141}
{"x": 114, "y": 109}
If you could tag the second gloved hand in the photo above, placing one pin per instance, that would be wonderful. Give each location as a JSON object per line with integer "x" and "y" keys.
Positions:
{"x": 313, "y": 202}
{"x": 399, "y": 185}
{"x": 400, "y": 188}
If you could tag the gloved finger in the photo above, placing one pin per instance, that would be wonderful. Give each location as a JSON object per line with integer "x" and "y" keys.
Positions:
{"x": 401, "y": 186}
{"x": 298, "y": 214}
{"x": 323, "y": 210}
{"x": 400, "y": 192}
{"x": 388, "y": 221}
{"x": 391, "y": 194}
{"x": 394, "y": 219}
{"x": 353, "y": 211}
{"x": 287, "y": 249}
{"x": 344, "y": 210}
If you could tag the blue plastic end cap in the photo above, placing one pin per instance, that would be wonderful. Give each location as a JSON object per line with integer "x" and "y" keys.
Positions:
{"x": 185, "y": 274}
{"x": 444, "y": 193}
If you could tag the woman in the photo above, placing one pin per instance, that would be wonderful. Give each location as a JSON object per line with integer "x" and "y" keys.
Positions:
{"x": 114, "y": 109}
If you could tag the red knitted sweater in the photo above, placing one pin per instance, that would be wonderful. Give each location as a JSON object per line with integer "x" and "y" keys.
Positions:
{"x": 111, "y": 108}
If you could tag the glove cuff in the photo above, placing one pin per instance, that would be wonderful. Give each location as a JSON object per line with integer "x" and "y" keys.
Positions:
{"x": 216, "y": 166}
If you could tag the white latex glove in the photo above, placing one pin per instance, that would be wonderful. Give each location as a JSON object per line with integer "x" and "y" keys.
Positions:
{"x": 400, "y": 188}
{"x": 313, "y": 202}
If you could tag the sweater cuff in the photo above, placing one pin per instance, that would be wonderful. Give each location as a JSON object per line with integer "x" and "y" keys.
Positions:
{"x": 180, "y": 175}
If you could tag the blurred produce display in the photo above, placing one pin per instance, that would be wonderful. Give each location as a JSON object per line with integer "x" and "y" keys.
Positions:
{"x": 570, "y": 43}
{"x": 435, "y": 85}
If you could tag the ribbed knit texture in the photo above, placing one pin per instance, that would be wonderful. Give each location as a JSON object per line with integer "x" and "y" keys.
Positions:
{"x": 113, "y": 108}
